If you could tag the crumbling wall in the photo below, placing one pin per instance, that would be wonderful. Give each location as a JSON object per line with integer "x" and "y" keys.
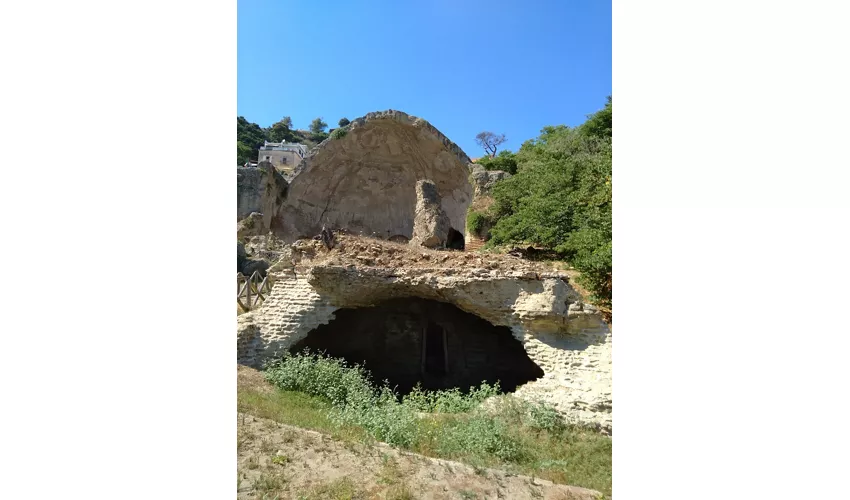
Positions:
{"x": 561, "y": 334}
{"x": 292, "y": 309}
{"x": 483, "y": 180}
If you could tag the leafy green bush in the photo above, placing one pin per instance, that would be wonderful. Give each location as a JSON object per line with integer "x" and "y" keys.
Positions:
{"x": 505, "y": 161}
{"x": 321, "y": 376}
{"x": 543, "y": 417}
{"x": 317, "y": 138}
{"x": 383, "y": 416}
{"x": 356, "y": 401}
{"x": 339, "y": 133}
{"x": 483, "y": 435}
{"x": 451, "y": 400}
{"x": 475, "y": 222}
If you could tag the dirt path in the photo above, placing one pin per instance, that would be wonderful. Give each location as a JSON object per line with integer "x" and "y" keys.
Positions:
{"x": 281, "y": 461}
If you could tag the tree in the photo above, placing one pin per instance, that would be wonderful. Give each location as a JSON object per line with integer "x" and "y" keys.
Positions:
{"x": 282, "y": 131}
{"x": 243, "y": 153}
{"x": 343, "y": 122}
{"x": 489, "y": 141}
{"x": 318, "y": 126}
{"x": 250, "y": 135}
{"x": 599, "y": 124}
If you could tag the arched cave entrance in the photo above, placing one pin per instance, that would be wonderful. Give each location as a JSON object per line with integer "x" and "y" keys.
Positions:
{"x": 414, "y": 340}
{"x": 455, "y": 240}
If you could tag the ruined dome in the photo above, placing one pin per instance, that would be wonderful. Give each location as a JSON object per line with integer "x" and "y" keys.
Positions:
{"x": 363, "y": 179}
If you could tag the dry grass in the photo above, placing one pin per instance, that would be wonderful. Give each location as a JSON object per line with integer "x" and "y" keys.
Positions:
{"x": 340, "y": 489}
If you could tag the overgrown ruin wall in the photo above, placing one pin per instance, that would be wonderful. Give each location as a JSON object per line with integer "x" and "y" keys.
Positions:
{"x": 364, "y": 181}
{"x": 565, "y": 338}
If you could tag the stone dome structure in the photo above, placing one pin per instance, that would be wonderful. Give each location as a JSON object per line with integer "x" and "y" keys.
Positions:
{"x": 363, "y": 179}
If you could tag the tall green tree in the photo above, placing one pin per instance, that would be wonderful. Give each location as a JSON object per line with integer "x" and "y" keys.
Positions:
{"x": 318, "y": 126}
{"x": 344, "y": 121}
{"x": 282, "y": 131}
{"x": 243, "y": 153}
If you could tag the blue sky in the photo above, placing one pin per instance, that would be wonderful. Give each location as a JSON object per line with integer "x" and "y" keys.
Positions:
{"x": 509, "y": 67}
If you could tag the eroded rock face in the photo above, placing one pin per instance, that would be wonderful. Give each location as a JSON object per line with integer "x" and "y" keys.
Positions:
{"x": 263, "y": 190}
{"x": 365, "y": 181}
{"x": 430, "y": 224}
{"x": 246, "y": 265}
{"x": 252, "y": 225}
{"x": 484, "y": 179}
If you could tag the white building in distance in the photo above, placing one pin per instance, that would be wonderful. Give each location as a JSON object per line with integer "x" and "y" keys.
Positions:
{"x": 283, "y": 155}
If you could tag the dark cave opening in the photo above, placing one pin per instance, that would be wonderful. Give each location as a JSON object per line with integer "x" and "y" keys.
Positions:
{"x": 408, "y": 341}
{"x": 455, "y": 240}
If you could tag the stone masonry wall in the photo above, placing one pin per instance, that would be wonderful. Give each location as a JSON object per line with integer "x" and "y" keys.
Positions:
{"x": 290, "y": 312}
{"x": 566, "y": 338}
{"x": 577, "y": 369}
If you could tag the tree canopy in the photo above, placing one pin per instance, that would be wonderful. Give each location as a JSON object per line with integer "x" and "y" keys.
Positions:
{"x": 344, "y": 121}
{"x": 490, "y": 142}
{"x": 318, "y": 126}
{"x": 249, "y": 138}
{"x": 282, "y": 131}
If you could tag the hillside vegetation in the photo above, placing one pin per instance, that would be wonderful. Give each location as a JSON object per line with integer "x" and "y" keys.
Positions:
{"x": 317, "y": 392}
{"x": 559, "y": 198}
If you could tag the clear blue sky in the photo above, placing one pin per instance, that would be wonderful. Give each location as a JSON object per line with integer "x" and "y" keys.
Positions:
{"x": 509, "y": 67}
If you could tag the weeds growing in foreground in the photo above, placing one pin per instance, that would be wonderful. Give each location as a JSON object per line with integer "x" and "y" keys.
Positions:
{"x": 330, "y": 395}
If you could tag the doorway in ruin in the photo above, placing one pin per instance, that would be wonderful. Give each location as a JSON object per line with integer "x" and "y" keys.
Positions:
{"x": 408, "y": 341}
{"x": 455, "y": 240}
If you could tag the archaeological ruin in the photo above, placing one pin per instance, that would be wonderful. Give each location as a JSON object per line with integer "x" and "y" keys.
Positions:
{"x": 399, "y": 287}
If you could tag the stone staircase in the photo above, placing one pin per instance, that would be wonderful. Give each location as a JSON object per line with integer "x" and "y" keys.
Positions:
{"x": 472, "y": 243}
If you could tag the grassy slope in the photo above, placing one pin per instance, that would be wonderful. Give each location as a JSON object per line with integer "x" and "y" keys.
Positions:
{"x": 575, "y": 457}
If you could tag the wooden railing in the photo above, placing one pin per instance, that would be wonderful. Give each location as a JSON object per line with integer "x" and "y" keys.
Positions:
{"x": 251, "y": 291}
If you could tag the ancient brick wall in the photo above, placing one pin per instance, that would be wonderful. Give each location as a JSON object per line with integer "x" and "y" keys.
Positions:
{"x": 563, "y": 336}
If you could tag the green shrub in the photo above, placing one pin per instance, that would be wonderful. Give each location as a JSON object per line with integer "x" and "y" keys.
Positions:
{"x": 383, "y": 417}
{"x": 475, "y": 222}
{"x": 483, "y": 435}
{"x": 321, "y": 376}
{"x": 505, "y": 161}
{"x": 451, "y": 400}
{"x": 355, "y": 401}
{"x": 339, "y": 133}
{"x": 543, "y": 417}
